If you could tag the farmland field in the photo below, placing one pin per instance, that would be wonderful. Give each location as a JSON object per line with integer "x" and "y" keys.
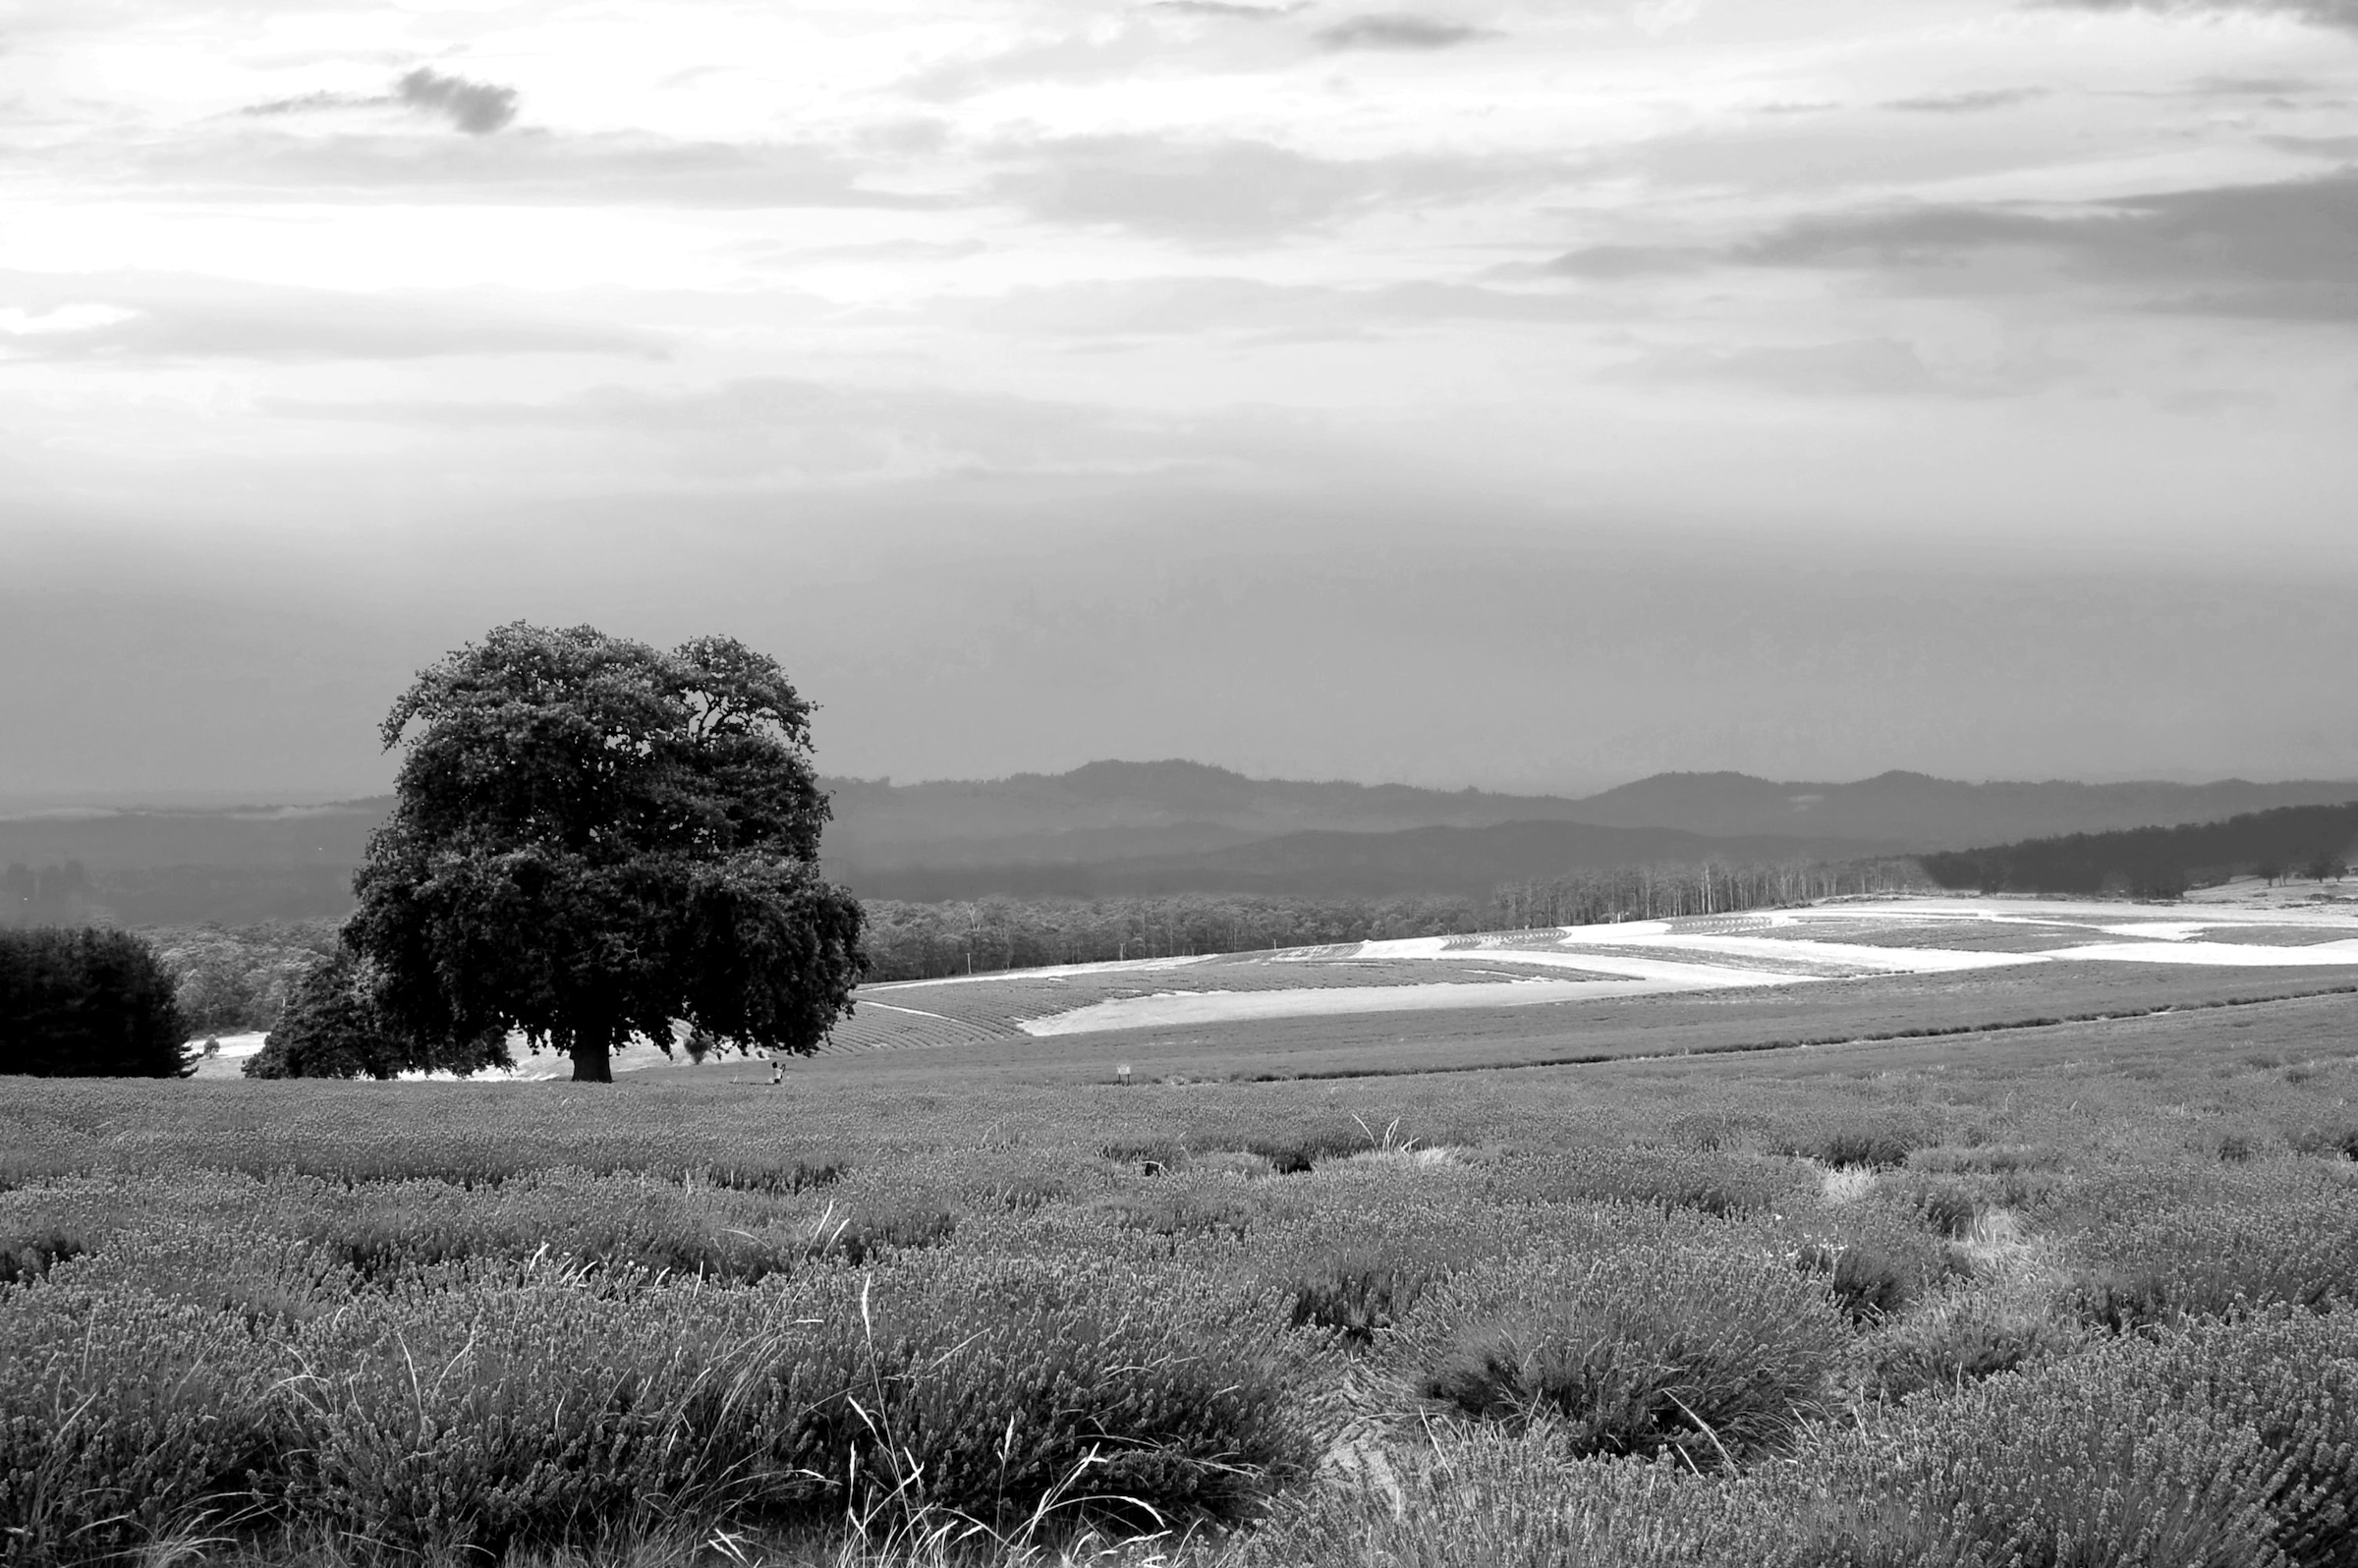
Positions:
{"x": 2033, "y": 1261}
{"x": 1565, "y": 966}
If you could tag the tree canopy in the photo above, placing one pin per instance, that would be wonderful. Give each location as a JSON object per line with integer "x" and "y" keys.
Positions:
{"x": 332, "y": 1027}
{"x": 86, "y": 1003}
{"x": 591, "y": 838}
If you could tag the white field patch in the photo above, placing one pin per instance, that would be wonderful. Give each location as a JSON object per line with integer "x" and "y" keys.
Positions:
{"x": 2228, "y": 955}
{"x": 1179, "y": 1009}
{"x": 1719, "y": 952}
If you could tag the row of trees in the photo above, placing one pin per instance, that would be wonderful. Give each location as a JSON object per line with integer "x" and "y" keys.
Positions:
{"x": 926, "y": 941}
{"x": 1674, "y": 892}
{"x": 2314, "y": 841}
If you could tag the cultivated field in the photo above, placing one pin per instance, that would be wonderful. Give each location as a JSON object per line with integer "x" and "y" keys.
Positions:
{"x": 1573, "y": 964}
{"x": 1968, "y": 1282}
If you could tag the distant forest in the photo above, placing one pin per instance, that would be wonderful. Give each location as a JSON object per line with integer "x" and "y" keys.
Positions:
{"x": 924, "y": 941}
{"x": 2310, "y": 841}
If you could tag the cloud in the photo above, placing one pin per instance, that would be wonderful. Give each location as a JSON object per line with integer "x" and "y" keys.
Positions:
{"x": 474, "y": 107}
{"x": 147, "y": 318}
{"x": 315, "y": 102}
{"x": 2280, "y": 250}
{"x": 1234, "y": 191}
{"x": 783, "y": 428}
{"x": 1248, "y": 308}
{"x": 1968, "y": 102}
{"x": 2341, "y": 149}
{"x": 1871, "y": 368}
{"x": 1223, "y": 8}
{"x": 1398, "y": 31}
{"x": 2317, "y": 13}
{"x": 1607, "y": 262}
{"x": 521, "y": 167}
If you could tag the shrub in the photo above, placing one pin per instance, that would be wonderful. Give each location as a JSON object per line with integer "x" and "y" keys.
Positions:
{"x": 2088, "y": 1462}
{"x": 1497, "y": 1497}
{"x": 460, "y": 1421}
{"x": 1356, "y": 1292}
{"x": 1873, "y": 1260}
{"x": 1947, "y": 1207}
{"x": 1866, "y": 1280}
{"x": 123, "y": 1418}
{"x": 1717, "y": 1184}
{"x": 331, "y": 1027}
{"x": 2269, "y": 1233}
{"x": 988, "y": 1387}
{"x": 2292, "y": 1378}
{"x": 2332, "y": 1140}
{"x": 1960, "y": 1339}
{"x": 1712, "y": 1354}
{"x": 1878, "y": 1144}
{"x": 86, "y": 1003}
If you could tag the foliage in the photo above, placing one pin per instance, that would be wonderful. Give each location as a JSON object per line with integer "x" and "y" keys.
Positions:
{"x": 593, "y": 838}
{"x": 86, "y": 1003}
{"x": 334, "y": 1028}
{"x": 230, "y": 980}
{"x": 2091, "y": 1460}
{"x": 1648, "y": 1346}
{"x": 911, "y": 940}
{"x": 2160, "y": 862}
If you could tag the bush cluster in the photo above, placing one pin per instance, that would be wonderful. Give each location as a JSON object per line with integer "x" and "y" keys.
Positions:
{"x": 86, "y": 1003}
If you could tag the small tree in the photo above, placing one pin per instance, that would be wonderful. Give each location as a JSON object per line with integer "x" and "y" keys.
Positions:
{"x": 88, "y": 1003}
{"x": 333, "y": 1027}
{"x": 591, "y": 838}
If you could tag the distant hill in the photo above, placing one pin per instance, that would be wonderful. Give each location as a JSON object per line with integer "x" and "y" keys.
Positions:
{"x": 2292, "y": 840}
{"x": 236, "y": 866}
{"x": 1119, "y": 827}
{"x": 1935, "y": 813}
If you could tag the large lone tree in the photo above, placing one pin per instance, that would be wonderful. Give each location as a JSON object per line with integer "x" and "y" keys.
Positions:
{"x": 593, "y": 838}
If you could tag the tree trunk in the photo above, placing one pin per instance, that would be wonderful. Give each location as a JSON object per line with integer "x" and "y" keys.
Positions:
{"x": 590, "y": 1062}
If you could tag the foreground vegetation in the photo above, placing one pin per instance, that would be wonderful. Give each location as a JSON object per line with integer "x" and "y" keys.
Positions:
{"x": 2083, "y": 1299}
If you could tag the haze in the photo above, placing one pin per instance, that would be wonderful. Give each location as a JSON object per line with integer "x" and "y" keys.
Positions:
{"x": 1524, "y": 395}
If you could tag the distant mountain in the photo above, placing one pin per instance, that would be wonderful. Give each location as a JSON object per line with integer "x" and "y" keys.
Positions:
{"x": 1157, "y": 826}
{"x": 1118, "y": 809}
{"x": 236, "y": 866}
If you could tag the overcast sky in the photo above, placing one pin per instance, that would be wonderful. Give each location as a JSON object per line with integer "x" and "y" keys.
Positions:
{"x": 1530, "y": 395}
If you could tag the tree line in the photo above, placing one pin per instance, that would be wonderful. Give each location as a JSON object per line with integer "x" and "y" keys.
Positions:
{"x": 1712, "y": 887}
{"x": 927, "y": 942}
{"x": 2312, "y": 841}
{"x": 82, "y": 992}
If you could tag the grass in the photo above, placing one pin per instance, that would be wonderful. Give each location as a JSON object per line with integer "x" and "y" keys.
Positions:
{"x": 2068, "y": 1293}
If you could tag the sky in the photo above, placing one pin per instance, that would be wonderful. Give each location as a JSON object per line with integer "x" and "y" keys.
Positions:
{"x": 1524, "y": 395}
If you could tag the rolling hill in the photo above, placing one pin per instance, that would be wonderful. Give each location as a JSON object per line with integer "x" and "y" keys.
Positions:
{"x": 1152, "y": 827}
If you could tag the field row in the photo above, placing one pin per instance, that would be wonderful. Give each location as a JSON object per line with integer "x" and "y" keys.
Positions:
{"x": 1929, "y": 1301}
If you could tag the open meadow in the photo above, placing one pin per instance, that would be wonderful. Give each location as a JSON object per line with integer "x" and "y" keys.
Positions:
{"x": 2030, "y": 1261}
